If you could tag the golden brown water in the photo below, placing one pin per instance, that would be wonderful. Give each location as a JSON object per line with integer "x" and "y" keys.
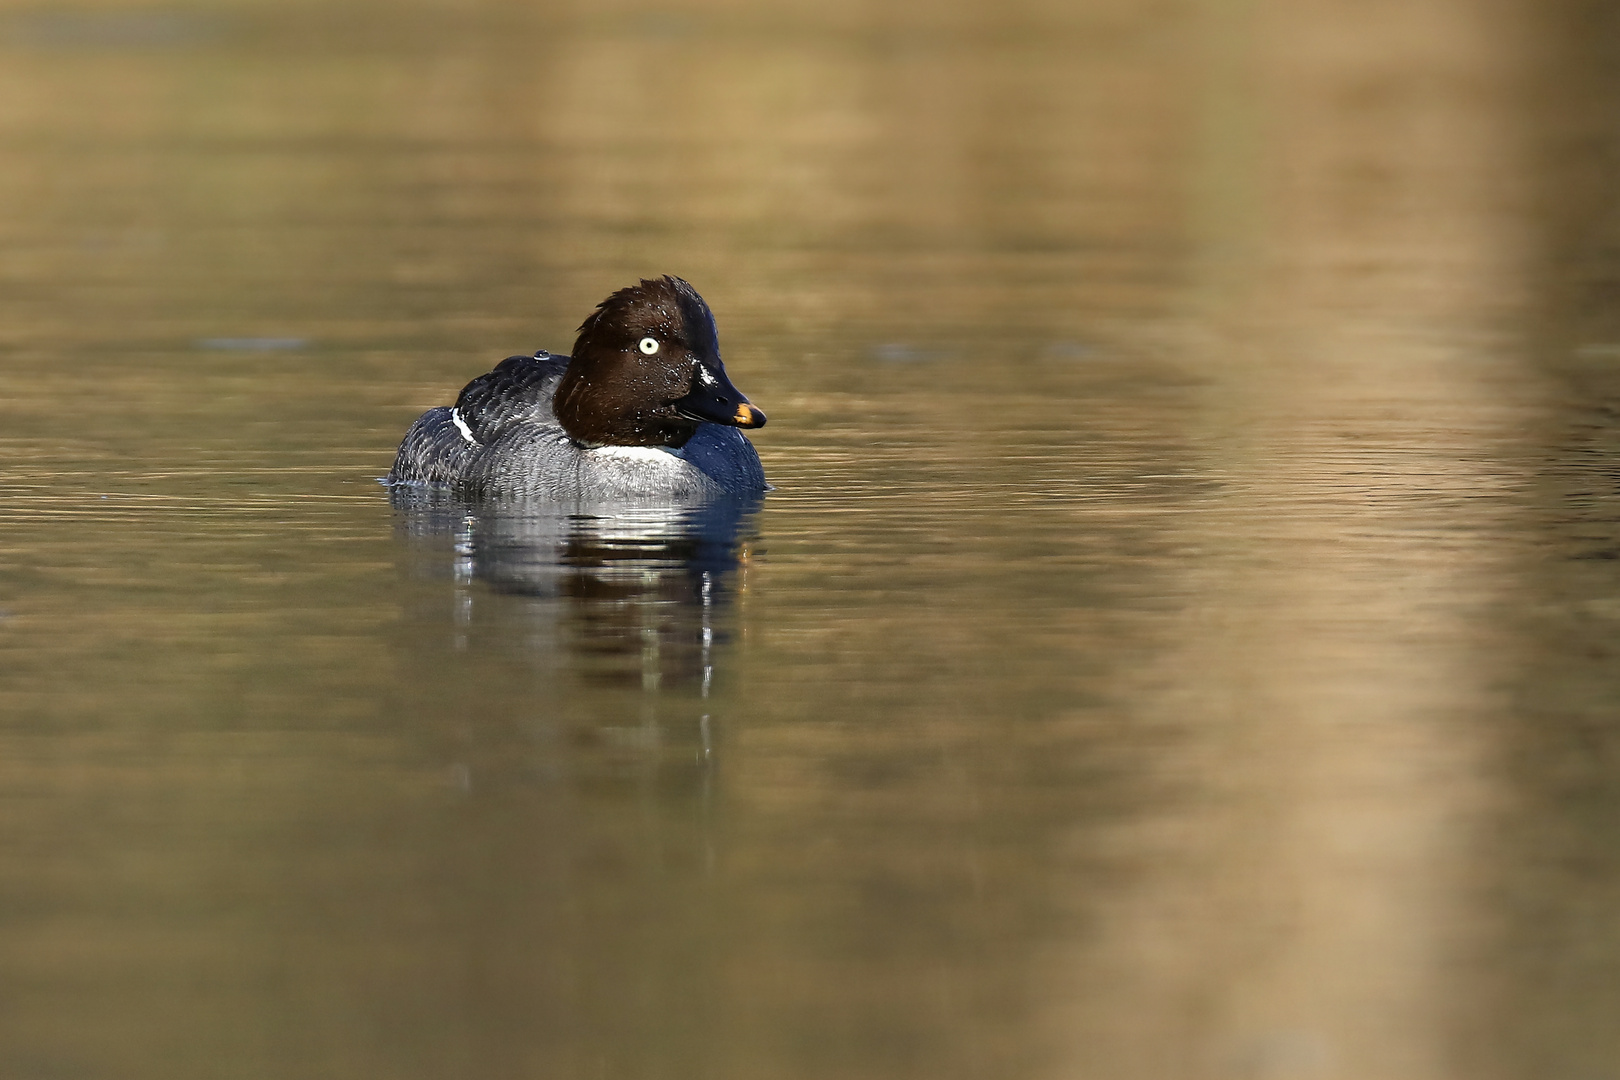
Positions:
{"x": 1184, "y": 641}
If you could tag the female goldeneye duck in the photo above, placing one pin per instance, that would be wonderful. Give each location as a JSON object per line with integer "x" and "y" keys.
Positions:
{"x": 643, "y": 408}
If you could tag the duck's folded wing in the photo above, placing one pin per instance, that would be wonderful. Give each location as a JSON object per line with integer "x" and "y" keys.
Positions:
{"x": 518, "y": 391}
{"x": 443, "y": 444}
{"x": 432, "y": 452}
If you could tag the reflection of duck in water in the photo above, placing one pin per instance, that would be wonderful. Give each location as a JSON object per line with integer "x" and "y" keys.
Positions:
{"x": 642, "y": 409}
{"x": 636, "y": 589}
{"x": 544, "y": 548}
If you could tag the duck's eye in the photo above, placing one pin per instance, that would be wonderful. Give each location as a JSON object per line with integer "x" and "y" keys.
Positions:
{"x": 649, "y": 346}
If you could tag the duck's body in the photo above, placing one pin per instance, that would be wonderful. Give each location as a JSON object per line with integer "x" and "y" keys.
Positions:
{"x": 642, "y": 410}
{"x": 503, "y": 438}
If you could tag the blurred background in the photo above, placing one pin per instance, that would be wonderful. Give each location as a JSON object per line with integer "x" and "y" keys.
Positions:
{"x": 1184, "y": 641}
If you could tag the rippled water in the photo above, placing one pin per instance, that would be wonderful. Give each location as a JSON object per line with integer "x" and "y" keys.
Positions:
{"x": 1181, "y": 642}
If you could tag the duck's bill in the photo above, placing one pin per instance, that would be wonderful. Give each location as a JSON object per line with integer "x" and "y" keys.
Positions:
{"x": 720, "y": 403}
{"x": 739, "y": 414}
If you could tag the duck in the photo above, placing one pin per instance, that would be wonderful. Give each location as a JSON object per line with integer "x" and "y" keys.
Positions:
{"x": 641, "y": 408}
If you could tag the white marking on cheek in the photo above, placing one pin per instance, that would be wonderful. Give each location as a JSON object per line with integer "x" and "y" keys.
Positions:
{"x": 466, "y": 432}
{"x": 707, "y": 377}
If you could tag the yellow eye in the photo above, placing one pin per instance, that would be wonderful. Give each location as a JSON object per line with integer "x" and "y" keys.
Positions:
{"x": 649, "y": 346}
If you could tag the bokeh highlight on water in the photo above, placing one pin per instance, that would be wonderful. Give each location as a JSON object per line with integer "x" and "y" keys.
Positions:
{"x": 1181, "y": 641}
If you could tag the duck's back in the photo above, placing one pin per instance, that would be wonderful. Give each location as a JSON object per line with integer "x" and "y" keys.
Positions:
{"x": 516, "y": 393}
{"x": 502, "y": 438}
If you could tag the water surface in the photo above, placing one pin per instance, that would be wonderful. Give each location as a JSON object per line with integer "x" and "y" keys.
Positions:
{"x": 1180, "y": 642}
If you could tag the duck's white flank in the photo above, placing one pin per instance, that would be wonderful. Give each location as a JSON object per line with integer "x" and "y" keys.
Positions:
{"x": 631, "y": 453}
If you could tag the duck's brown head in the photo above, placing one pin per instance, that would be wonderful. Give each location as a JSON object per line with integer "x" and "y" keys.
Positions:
{"x": 646, "y": 371}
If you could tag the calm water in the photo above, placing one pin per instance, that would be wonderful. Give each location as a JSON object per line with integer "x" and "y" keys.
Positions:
{"x": 1184, "y": 641}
